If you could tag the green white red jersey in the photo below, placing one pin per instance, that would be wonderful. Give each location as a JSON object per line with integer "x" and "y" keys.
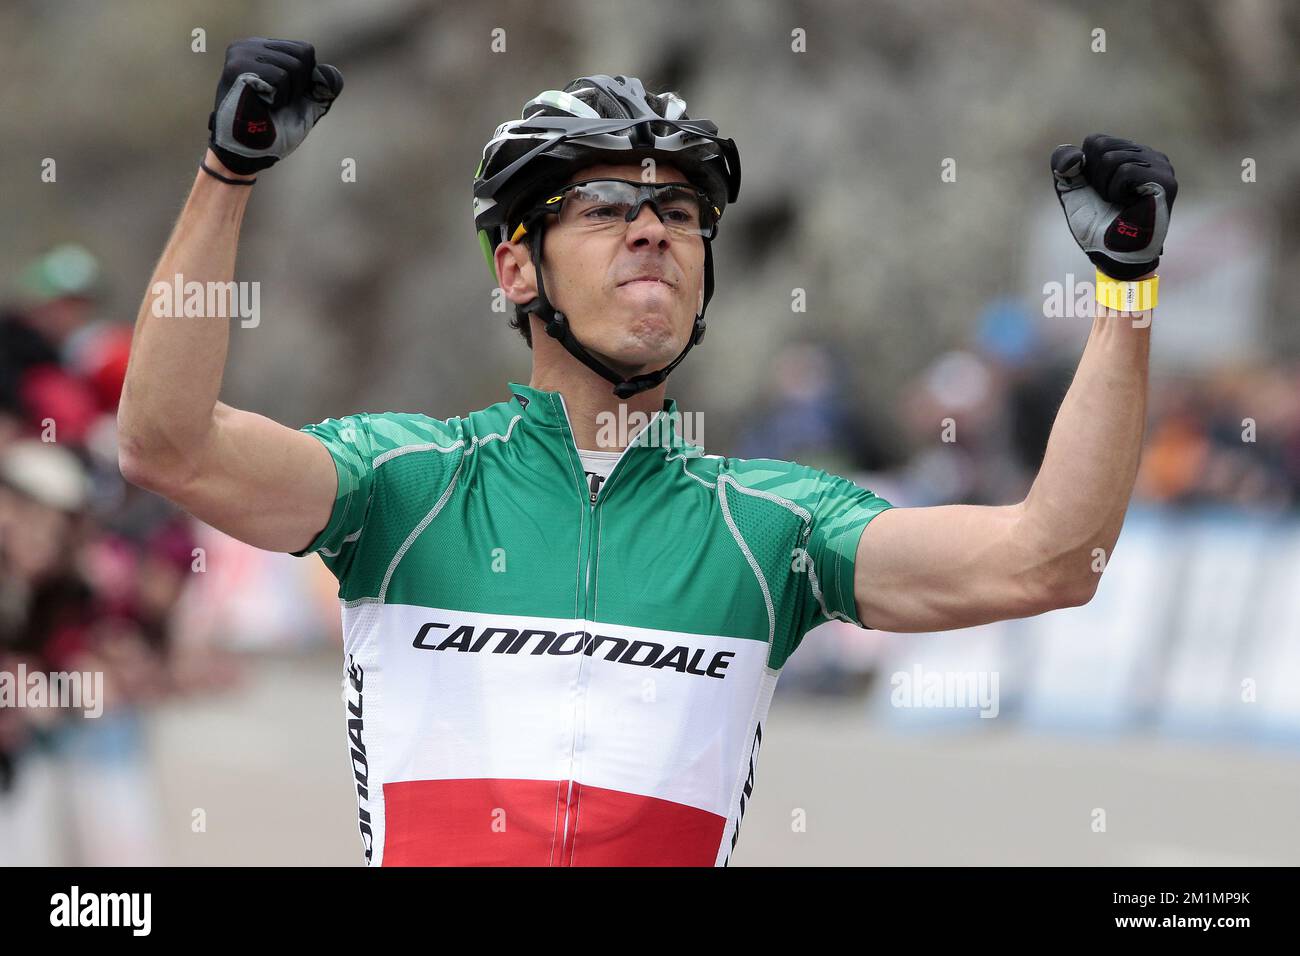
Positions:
{"x": 538, "y": 678}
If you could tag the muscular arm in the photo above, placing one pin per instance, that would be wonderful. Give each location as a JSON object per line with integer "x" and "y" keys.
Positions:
{"x": 242, "y": 473}
{"x": 933, "y": 569}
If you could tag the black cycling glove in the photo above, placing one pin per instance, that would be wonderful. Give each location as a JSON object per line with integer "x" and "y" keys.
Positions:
{"x": 1117, "y": 197}
{"x": 271, "y": 93}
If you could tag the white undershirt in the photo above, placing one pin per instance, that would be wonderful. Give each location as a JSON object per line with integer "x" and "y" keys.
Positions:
{"x": 597, "y": 465}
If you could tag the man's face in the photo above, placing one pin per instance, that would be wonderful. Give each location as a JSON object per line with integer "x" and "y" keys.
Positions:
{"x": 633, "y": 325}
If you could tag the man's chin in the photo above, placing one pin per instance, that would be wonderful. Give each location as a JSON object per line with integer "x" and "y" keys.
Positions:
{"x": 634, "y": 359}
{"x": 646, "y": 343}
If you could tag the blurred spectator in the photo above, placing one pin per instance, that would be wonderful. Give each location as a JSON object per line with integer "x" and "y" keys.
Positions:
{"x": 1229, "y": 437}
{"x": 57, "y": 293}
{"x": 91, "y": 569}
{"x": 808, "y": 419}
{"x": 44, "y": 606}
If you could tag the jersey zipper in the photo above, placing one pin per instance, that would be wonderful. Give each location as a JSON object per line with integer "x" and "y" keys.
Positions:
{"x": 594, "y": 500}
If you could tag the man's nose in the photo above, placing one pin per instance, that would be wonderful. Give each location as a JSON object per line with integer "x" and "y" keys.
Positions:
{"x": 646, "y": 225}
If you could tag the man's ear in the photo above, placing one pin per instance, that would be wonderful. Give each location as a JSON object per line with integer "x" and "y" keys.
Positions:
{"x": 515, "y": 272}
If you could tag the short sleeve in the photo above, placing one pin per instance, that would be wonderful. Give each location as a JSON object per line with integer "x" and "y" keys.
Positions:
{"x": 350, "y": 443}
{"x": 841, "y": 511}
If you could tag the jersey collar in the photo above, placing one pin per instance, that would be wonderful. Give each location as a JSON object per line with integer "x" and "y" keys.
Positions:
{"x": 547, "y": 408}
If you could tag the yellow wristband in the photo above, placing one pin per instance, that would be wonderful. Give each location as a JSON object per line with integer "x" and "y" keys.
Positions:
{"x": 1127, "y": 296}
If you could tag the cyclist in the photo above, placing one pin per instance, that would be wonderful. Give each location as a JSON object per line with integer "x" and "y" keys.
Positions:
{"x": 544, "y": 668}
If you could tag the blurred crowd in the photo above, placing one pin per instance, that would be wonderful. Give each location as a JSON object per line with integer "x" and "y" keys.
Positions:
{"x": 91, "y": 568}
{"x": 973, "y": 425}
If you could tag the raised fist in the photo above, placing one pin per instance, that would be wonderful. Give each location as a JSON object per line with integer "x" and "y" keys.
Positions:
{"x": 271, "y": 93}
{"x": 1117, "y": 197}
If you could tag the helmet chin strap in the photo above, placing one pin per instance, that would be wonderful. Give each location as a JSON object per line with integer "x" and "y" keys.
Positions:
{"x": 557, "y": 327}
